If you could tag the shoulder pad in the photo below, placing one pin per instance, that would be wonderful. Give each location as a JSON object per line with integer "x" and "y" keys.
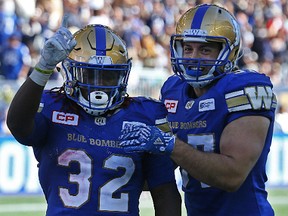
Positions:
{"x": 249, "y": 90}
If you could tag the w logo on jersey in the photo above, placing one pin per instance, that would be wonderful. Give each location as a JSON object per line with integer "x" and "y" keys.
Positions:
{"x": 253, "y": 97}
{"x": 260, "y": 97}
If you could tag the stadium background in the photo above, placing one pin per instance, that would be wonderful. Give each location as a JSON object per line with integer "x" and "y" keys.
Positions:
{"x": 146, "y": 26}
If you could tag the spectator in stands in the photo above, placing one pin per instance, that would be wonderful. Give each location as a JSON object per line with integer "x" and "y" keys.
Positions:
{"x": 152, "y": 53}
{"x": 98, "y": 14}
{"x": 8, "y": 20}
{"x": 15, "y": 58}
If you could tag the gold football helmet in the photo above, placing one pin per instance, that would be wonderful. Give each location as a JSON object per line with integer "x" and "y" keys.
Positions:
{"x": 97, "y": 70}
{"x": 205, "y": 23}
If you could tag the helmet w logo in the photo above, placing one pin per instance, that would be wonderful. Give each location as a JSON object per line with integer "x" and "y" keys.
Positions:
{"x": 102, "y": 60}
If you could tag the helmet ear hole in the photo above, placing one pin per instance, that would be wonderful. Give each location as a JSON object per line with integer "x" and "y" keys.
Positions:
{"x": 99, "y": 64}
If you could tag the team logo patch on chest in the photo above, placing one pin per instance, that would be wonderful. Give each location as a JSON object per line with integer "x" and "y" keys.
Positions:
{"x": 171, "y": 105}
{"x": 65, "y": 118}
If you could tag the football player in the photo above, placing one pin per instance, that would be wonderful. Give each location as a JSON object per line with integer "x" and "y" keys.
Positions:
{"x": 74, "y": 129}
{"x": 222, "y": 117}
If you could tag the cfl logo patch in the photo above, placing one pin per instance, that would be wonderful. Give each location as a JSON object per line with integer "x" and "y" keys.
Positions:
{"x": 171, "y": 105}
{"x": 100, "y": 121}
{"x": 65, "y": 118}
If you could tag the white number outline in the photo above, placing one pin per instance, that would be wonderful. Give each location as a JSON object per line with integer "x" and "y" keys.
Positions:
{"x": 83, "y": 179}
{"x": 107, "y": 202}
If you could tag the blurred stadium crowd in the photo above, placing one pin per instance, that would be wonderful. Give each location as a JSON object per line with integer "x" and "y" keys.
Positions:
{"x": 145, "y": 25}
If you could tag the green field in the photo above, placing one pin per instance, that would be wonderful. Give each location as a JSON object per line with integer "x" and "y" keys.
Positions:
{"x": 35, "y": 205}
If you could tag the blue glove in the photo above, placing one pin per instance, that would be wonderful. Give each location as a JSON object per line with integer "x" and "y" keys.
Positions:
{"x": 145, "y": 138}
{"x": 56, "y": 49}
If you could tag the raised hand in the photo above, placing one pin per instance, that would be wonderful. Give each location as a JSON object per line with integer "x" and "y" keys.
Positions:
{"x": 56, "y": 49}
{"x": 144, "y": 138}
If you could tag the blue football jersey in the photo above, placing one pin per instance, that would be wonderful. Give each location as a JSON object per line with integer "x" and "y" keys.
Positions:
{"x": 201, "y": 121}
{"x": 82, "y": 168}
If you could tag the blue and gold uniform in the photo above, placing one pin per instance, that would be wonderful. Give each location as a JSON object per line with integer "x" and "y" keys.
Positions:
{"x": 82, "y": 168}
{"x": 201, "y": 121}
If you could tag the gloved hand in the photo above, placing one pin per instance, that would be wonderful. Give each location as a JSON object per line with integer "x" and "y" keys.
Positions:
{"x": 56, "y": 49}
{"x": 145, "y": 138}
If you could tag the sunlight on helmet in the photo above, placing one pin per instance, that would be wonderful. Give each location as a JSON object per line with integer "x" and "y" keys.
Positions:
{"x": 97, "y": 70}
{"x": 205, "y": 24}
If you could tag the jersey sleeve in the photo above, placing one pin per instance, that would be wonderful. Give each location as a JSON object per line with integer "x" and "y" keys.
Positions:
{"x": 251, "y": 94}
{"x": 150, "y": 111}
{"x": 158, "y": 170}
{"x": 168, "y": 86}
